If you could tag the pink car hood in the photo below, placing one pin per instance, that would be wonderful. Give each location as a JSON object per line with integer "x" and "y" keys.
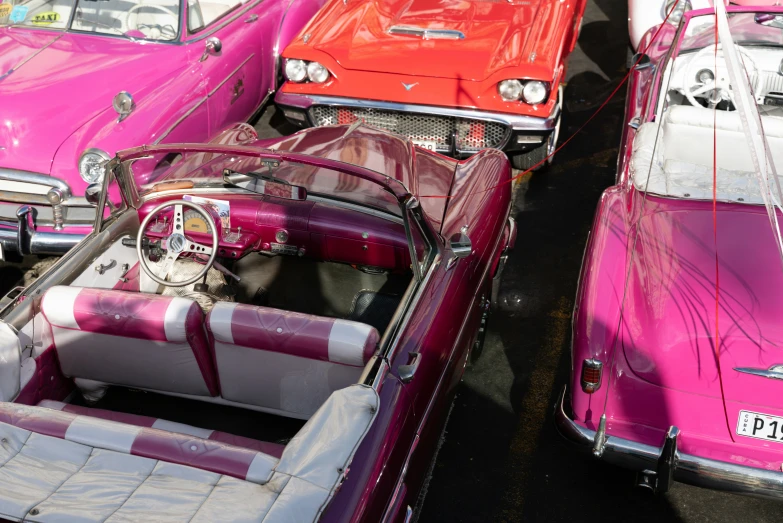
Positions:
{"x": 60, "y": 81}
{"x": 668, "y": 336}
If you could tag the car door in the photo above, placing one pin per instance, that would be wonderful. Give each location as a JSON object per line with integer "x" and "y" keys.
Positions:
{"x": 232, "y": 61}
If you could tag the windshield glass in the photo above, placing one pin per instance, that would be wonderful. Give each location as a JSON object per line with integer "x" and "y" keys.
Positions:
{"x": 177, "y": 170}
{"x": 129, "y": 18}
{"x": 758, "y": 28}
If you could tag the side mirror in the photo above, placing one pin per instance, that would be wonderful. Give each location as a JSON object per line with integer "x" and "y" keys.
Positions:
{"x": 93, "y": 193}
{"x": 461, "y": 245}
{"x": 641, "y": 62}
{"x": 212, "y": 47}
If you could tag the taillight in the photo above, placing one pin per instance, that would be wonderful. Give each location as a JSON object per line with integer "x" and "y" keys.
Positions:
{"x": 591, "y": 375}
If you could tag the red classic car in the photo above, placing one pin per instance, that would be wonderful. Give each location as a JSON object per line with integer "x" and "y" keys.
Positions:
{"x": 263, "y": 330}
{"x": 454, "y": 77}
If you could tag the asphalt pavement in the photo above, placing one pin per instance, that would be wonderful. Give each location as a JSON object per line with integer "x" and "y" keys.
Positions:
{"x": 502, "y": 459}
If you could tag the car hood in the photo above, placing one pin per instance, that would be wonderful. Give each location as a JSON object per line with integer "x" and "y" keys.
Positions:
{"x": 496, "y": 35}
{"x": 669, "y": 314}
{"x": 53, "y": 83}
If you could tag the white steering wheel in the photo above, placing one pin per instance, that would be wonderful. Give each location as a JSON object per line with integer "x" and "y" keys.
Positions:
{"x": 720, "y": 83}
{"x": 141, "y": 6}
{"x": 177, "y": 244}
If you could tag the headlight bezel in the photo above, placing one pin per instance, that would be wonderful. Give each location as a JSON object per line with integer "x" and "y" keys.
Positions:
{"x": 99, "y": 158}
{"x": 522, "y": 84}
{"x": 308, "y": 68}
{"x": 679, "y": 10}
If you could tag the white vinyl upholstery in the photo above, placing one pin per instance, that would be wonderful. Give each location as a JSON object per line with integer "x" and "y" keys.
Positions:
{"x": 132, "y": 339}
{"x": 678, "y": 157}
{"x": 91, "y": 478}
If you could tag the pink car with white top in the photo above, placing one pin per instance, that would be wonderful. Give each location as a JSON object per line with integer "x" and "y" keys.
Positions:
{"x": 677, "y": 356}
{"x": 81, "y": 79}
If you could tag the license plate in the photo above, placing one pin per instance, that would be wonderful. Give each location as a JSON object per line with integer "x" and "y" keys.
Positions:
{"x": 426, "y": 144}
{"x": 760, "y": 426}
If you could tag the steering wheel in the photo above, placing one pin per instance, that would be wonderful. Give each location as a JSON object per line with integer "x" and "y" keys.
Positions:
{"x": 141, "y": 6}
{"x": 720, "y": 83}
{"x": 177, "y": 243}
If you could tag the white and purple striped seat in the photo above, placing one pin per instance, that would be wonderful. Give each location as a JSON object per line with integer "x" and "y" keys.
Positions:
{"x": 286, "y": 362}
{"x": 133, "y": 339}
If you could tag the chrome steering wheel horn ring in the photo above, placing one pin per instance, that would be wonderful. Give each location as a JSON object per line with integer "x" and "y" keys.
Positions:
{"x": 177, "y": 243}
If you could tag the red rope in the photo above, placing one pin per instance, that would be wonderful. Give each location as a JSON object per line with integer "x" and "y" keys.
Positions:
{"x": 582, "y": 127}
{"x": 715, "y": 239}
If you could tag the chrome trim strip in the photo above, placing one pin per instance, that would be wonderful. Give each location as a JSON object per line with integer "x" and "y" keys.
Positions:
{"x": 515, "y": 122}
{"x": 427, "y": 34}
{"x": 276, "y": 51}
{"x": 15, "y": 175}
{"x": 180, "y": 120}
{"x": 232, "y": 73}
{"x": 775, "y": 372}
{"x": 694, "y": 470}
{"x": 201, "y": 102}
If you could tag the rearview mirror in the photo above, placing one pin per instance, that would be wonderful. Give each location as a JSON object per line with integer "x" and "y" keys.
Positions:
{"x": 93, "y": 193}
{"x": 265, "y": 184}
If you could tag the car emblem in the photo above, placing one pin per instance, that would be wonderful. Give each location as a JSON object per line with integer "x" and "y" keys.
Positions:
{"x": 408, "y": 87}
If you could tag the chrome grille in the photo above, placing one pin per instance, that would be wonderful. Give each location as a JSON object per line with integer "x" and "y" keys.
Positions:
{"x": 472, "y": 135}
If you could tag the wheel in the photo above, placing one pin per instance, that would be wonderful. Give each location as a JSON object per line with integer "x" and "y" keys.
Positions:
{"x": 531, "y": 160}
{"x": 535, "y": 160}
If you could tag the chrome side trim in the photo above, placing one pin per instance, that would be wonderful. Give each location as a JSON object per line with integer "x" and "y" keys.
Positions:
{"x": 228, "y": 77}
{"x": 276, "y": 51}
{"x": 693, "y": 470}
{"x": 775, "y": 372}
{"x": 514, "y": 121}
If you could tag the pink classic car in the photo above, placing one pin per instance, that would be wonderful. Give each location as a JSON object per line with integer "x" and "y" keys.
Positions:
{"x": 271, "y": 331}
{"x": 81, "y": 79}
{"x": 668, "y": 274}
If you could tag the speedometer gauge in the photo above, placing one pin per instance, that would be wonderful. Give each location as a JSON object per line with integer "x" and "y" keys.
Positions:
{"x": 194, "y": 222}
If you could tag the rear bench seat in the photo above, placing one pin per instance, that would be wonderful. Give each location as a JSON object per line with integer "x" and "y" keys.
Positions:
{"x": 57, "y": 465}
{"x": 273, "y": 449}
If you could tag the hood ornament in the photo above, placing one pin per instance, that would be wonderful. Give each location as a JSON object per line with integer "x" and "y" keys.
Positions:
{"x": 124, "y": 105}
{"x": 426, "y": 34}
{"x": 775, "y": 372}
{"x": 408, "y": 87}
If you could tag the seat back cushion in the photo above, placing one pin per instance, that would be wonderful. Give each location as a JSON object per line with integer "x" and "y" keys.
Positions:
{"x": 131, "y": 339}
{"x": 286, "y": 362}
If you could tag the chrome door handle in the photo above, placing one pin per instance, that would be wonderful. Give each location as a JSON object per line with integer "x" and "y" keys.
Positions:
{"x": 407, "y": 372}
{"x": 250, "y": 19}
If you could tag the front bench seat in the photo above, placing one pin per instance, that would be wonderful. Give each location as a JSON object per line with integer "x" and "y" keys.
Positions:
{"x": 130, "y": 339}
{"x": 286, "y": 362}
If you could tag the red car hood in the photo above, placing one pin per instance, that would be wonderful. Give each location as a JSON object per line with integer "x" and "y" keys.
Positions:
{"x": 670, "y": 320}
{"x": 60, "y": 81}
{"x": 497, "y": 35}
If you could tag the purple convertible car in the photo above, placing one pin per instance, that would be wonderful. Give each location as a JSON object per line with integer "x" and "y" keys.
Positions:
{"x": 258, "y": 331}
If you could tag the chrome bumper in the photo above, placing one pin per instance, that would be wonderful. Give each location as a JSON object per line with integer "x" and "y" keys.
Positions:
{"x": 46, "y": 201}
{"x": 685, "y": 468}
{"x": 21, "y": 237}
{"x": 299, "y": 105}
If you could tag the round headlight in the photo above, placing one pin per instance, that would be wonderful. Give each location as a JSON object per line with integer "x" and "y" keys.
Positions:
{"x": 679, "y": 9}
{"x": 91, "y": 165}
{"x": 705, "y": 76}
{"x": 317, "y": 73}
{"x": 510, "y": 90}
{"x": 534, "y": 92}
{"x": 295, "y": 70}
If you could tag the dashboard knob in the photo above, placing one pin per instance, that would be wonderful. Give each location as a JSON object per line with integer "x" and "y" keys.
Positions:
{"x": 281, "y": 236}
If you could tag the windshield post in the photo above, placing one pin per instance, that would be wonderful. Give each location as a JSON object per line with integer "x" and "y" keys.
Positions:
{"x": 411, "y": 203}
